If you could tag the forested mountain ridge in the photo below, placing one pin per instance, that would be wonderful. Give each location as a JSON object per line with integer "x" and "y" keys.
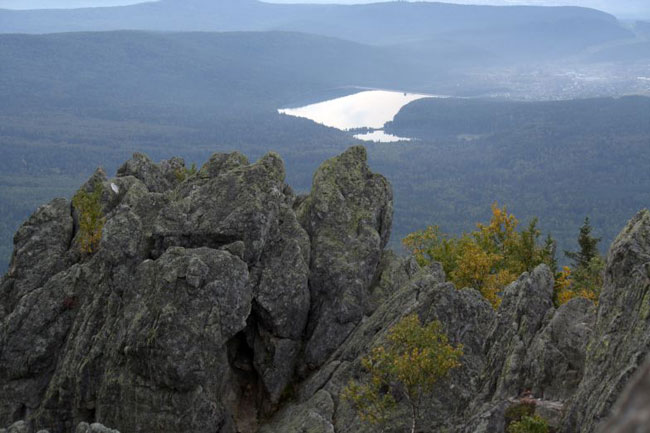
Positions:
{"x": 571, "y": 158}
{"x": 230, "y": 71}
{"x": 508, "y": 32}
{"x": 78, "y": 100}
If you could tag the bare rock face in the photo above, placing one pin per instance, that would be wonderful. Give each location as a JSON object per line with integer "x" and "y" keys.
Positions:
{"x": 555, "y": 361}
{"x": 191, "y": 315}
{"x": 526, "y": 304}
{"x": 621, "y": 337}
{"x": 218, "y": 301}
{"x": 40, "y": 250}
{"x": 348, "y": 217}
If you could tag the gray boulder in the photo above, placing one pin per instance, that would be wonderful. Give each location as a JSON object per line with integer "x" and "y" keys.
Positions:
{"x": 147, "y": 172}
{"x": 556, "y": 357}
{"x": 40, "y": 251}
{"x": 527, "y": 304}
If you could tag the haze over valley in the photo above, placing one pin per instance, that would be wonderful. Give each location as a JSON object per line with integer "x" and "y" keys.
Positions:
{"x": 192, "y": 77}
{"x": 242, "y": 216}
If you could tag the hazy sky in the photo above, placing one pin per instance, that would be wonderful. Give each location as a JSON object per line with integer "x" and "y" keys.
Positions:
{"x": 625, "y": 8}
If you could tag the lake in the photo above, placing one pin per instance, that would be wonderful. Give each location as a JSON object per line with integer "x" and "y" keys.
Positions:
{"x": 369, "y": 109}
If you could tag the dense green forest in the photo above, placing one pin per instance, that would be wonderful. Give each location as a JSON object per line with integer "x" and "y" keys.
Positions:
{"x": 560, "y": 161}
{"x": 72, "y": 102}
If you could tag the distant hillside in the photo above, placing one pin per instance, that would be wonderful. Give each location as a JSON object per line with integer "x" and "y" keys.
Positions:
{"x": 560, "y": 161}
{"x": 508, "y": 32}
{"x": 187, "y": 70}
{"x": 71, "y": 102}
{"x": 637, "y": 51}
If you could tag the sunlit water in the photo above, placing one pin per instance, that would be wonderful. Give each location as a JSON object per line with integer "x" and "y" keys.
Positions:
{"x": 380, "y": 136}
{"x": 368, "y": 109}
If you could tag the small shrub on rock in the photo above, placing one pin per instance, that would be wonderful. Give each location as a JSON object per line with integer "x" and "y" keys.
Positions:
{"x": 517, "y": 411}
{"x": 529, "y": 424}
{"x": 412, "y": 362}
{"x": 91, "y": 218}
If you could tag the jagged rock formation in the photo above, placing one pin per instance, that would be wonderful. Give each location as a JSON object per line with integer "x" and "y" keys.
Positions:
{"x": 204, "y": 296}
{"x": 621, "y": 337}
{"x": 219, "y": 301}
{"x": 348, "y": 217}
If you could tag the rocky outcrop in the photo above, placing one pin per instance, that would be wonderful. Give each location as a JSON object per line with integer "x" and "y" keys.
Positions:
{"x": 348, "y": 217}
{"x": 219, "y": 301}
{"x": 40, "y": 248}
{"x": 527, "y": 345}
{"x": 526, "y": 304}
{"x": 192, "y": 313}
{"x": 621, "y": 337}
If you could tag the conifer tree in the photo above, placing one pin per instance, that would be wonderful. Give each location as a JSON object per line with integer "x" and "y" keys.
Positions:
{"x": 588, "y": 247}
{"x": 585, "y": 277}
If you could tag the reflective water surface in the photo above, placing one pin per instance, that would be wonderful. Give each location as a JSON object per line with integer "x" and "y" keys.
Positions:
{"x": 380, "y": 136}
{"x": 366, "y": 109}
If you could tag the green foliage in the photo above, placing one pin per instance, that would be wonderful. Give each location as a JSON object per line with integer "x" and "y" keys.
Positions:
{"x": 542, "y": 158}
{"x": 413, "y": 361}
{"x": 91, "y": 218}
{"x": 521, "y": 418}
{"x": 372, "y": 401}
{"x": 529, "y": 424}
{"x": 184, "y": 173}
{"x": 487, "y": 259}
{"x": 517, "y": 411}
{"x": 585, "y": 278}
{"x": 588, "y": 247}
{"x": 590, "y": 277}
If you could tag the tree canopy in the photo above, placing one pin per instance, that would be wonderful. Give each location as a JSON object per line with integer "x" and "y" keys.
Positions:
{"x": 412, "y": 362}
{"x": 487, "y": 259}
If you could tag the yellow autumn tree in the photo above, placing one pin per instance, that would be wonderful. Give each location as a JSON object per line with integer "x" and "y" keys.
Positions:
{"x": 580, "y": 282}
{"x": 413, "y": 361}
{"x": 487, "y": 259}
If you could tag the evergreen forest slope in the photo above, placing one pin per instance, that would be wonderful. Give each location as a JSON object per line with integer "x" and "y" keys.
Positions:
{"x": 69, "y": 102}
